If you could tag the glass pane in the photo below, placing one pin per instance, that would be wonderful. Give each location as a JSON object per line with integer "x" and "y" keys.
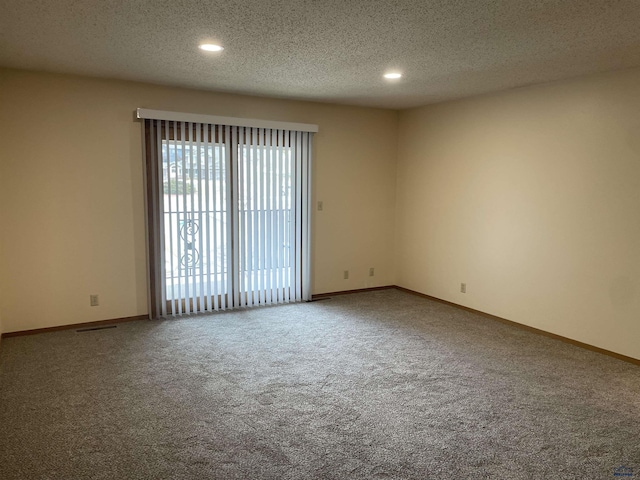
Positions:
{"x": 195, "y": 218}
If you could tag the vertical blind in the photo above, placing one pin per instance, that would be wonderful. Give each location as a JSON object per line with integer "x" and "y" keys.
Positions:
{"x": 228, "y": 215}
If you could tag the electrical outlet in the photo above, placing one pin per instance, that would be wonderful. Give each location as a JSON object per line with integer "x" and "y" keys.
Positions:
{"x": 346, "y": 275}
{"x": 320, "y": 205}
{"x": 371, "y": 272}
{"x": 94, "y": 301}
{"x": 463, "y": 287}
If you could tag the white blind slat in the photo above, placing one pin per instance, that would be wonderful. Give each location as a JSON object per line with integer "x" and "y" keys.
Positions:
{"x": 268, "y": 179}
{"x": 306, "y": 224}
{"x": 236, "y": 194}
{"x": 298, "y": 224}
{"x": 229, "y": 225}
{"x": 201, "y": 221}
{"x": 249, "y": 208}
{"x": 208, "y": 270}
{"x": 169, "y": 180}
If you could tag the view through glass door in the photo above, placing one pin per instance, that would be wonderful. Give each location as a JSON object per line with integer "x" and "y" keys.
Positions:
{"x": 196, "y": 200}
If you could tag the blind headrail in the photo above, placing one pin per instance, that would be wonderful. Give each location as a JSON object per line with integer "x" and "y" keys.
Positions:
{"x": 218, "y": 120}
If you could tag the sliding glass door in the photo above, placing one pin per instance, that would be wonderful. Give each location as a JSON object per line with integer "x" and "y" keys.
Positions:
{"x": 228, "y": 216}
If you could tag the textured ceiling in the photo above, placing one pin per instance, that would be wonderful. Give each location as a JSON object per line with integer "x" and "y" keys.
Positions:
{"x": 325, "y": 50}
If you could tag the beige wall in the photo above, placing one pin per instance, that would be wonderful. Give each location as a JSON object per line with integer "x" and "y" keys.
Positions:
{"x": 73, "y": 190}
{"x": 2, "y": 267}
{"x": 531, "y": 197}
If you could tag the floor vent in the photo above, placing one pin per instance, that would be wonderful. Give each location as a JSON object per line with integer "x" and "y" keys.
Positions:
{"x": 90, "y": 329}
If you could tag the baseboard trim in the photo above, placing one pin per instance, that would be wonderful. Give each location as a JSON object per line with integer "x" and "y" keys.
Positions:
{"x": 570, "y": 341}
{"x": 72, "y": 326}
{"x": 320, "y": 296}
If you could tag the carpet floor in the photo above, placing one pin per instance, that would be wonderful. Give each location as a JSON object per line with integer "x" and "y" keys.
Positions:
{"x": 376, "y": 385}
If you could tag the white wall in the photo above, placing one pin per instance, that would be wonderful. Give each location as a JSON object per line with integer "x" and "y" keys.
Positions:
{"x": 531, "y": 197}
{"x": 73, "y": 190}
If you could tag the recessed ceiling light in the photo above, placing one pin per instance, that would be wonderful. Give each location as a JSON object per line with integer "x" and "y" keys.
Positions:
{"x": 210, "y": 47}
{"x": 392, "y": 75}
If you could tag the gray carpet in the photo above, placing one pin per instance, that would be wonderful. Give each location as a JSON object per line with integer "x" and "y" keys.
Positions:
{"x": 373, "y": 385}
